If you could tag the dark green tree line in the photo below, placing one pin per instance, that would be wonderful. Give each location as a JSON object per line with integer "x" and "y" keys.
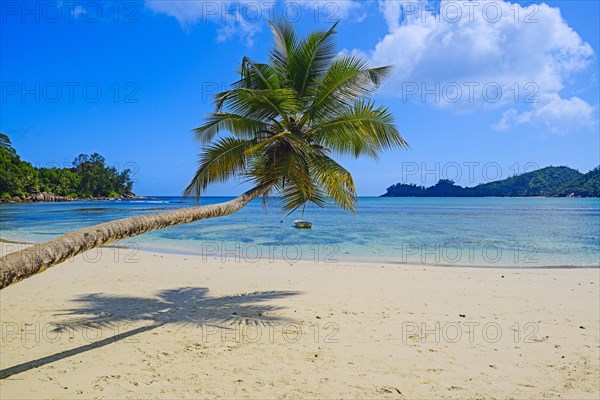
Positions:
{"x": 88, "y": 177}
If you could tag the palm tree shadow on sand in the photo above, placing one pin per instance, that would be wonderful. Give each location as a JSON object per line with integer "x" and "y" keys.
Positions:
{"x": 181, "y": 307}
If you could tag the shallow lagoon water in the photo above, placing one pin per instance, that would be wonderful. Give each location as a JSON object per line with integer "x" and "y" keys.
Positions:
{"x": 513, "y": 232}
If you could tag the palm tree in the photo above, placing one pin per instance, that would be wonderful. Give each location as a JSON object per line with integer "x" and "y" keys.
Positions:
{"x": 286, "y": 118}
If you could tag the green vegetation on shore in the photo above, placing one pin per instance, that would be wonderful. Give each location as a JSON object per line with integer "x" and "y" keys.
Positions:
{"x": 89, "y": 177}
{"x": 547, "y": 182}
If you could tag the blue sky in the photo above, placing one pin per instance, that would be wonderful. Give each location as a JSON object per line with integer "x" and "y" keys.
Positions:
{"x": 480, "y": 90}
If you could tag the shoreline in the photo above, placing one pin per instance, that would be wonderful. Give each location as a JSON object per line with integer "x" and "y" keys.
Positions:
{"x": 29, "y": 200}
{"x": 65, "y": 199}
{"x": 233, "y": 257}
{"x": 166, "y": 325}
{"x": 386, "y": 260}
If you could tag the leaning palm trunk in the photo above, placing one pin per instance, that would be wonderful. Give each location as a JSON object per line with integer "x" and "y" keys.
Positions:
{"x": 15, "y": 267}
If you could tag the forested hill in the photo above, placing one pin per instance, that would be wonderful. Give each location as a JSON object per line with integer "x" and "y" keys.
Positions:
{"x": 88, "y": 177}
{"x": 548, "y": 182}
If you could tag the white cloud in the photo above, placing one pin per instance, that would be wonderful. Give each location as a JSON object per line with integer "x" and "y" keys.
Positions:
{"x": 243, "y": 18}
{"x": 471, "y": 55}
{"x": 185, "y": 12}
{"x": 552, "y": 113}
{"x": 392, "y": 12}
{"x": 508, "y": 120}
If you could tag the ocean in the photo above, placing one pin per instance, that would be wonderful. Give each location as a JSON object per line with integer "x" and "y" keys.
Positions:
{"x": 478, "y": 232}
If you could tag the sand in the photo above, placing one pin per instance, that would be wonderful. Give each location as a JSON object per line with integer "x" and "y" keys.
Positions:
{"x": 120, "y": 324}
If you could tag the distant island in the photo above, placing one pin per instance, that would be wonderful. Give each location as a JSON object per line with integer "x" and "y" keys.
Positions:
{"x": 544, "y": 182}
{"x": 88, "y": 178}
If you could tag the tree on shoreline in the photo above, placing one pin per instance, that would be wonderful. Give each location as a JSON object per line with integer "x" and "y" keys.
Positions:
{"x": 88, "y": 177}
{"x": 286, "y": 118}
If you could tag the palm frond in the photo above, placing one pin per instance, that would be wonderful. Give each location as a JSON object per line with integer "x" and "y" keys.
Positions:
{"x": 359, "y": 130}
{"x": 335, "y": 180}
{"x": 241, "y": 126}
{"x": 257, "y": 76}
{"x": 286, "y": 43}
{"x": 219, "y": 162}
{"x": 348, "y": 79}
{"x": 298, "y": 193}
{"x": 311, "y": 59}
{"x": 274, "y": 105}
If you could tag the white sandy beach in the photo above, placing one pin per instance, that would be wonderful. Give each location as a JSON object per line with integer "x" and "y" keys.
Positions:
{"x": 192, "y": 328}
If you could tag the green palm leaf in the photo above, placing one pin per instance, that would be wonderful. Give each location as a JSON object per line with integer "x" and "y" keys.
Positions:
{"x": 311, "y": 59}
{"x": 240, "y": 125}
{"x": 257, "y": 76}
{"x": 335, "y": 180}
{"x": 275, "y": 105}
{"x": 348, "y": 79}
{"x": 222, "y": 160}
{"x": 359, "y": 130}
{"x": 285, "y": 46}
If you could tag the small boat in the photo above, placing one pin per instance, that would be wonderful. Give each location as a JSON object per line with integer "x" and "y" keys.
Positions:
{"x": 303, "y": 224}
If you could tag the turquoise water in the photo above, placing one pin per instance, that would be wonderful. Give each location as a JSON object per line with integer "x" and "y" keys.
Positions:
{"x": 514, "y": 232}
